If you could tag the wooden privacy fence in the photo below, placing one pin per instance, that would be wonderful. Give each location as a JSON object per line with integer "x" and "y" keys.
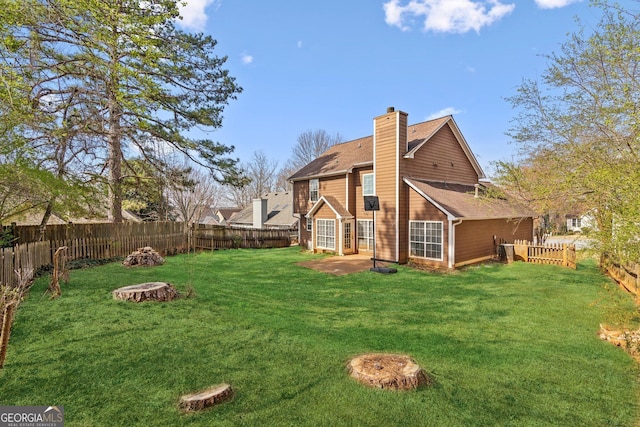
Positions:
{"x": 213, "y": 237}
{"x": 32, "y": 256}
{"x": 106, "y": 241}
{"x": 554, "y": 253}
{"x": 31, "y": 233}
{"x": 26, "y": 258}
{"x": 628, "y": 276}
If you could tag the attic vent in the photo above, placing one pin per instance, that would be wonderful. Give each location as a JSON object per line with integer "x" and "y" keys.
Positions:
{"x": 390, "y": 109}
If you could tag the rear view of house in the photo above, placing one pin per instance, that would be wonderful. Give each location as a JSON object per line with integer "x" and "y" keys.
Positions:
{"x": 434, "y": 206}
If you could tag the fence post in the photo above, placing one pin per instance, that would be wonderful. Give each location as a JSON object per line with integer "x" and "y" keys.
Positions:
{"x": 637, "y": 276}
{"x": 565, "y": 262}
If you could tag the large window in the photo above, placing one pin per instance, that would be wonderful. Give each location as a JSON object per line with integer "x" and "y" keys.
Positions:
{"x": 367, "y": 185}
{"x": 314, "y": 190}
{"x": 425, "y": 239}
{"x": 365, "y": 235}
{"x": 326, "y": 233}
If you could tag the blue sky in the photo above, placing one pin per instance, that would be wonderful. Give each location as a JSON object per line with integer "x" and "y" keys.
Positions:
{"x": 336, "y": 64}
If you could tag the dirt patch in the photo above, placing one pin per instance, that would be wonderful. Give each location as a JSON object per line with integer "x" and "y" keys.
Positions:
{"x": 340, "y": 265}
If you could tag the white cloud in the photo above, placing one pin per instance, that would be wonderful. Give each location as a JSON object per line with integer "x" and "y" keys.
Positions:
{"x": 552, "y": 4}
{"x": 447, "y": 16}
{"x": 193, "y": 14}
{"x": 247, "y": 59}
{"x": 299, "y": 43}
{"x": 449, "y": 111}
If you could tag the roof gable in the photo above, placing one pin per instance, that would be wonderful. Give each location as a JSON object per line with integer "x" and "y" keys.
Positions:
{"x": 343, "y": 158}
{"x": 429, "y": 129}
{"x": 334, "y": 204}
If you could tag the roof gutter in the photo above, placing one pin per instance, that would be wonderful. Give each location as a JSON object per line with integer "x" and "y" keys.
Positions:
{"x": 329, "y": 174}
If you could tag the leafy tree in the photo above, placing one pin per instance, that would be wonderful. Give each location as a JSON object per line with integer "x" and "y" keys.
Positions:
{"x": 579, "y": 126}
{"x": 128, "y": 76}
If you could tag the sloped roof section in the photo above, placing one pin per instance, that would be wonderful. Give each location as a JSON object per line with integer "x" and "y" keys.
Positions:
{"x": 279, "y": 211}
{"x": 338, "y": 159}
{"x": 458, "y": 201}
{"x": 341, "y": 158}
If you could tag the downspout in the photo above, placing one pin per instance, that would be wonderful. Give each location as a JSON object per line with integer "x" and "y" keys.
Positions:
{"x": 452, "y": 240}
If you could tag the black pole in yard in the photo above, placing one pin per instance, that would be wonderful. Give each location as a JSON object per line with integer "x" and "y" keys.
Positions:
{"x": 374, "y": 239}
{"x": 371, "y": 203}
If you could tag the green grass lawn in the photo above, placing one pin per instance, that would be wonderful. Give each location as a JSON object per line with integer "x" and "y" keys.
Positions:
{"x": 508, "y": 345}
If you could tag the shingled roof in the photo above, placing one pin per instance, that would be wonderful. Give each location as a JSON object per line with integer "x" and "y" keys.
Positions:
{"x": 459, "y": 201}
{"x": 279, "y": 211}
{"x": 341, "y": 158}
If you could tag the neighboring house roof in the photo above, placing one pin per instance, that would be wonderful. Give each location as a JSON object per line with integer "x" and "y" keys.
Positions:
{"x": 459, "y": 201}
{"x": 341, "y": 158}
{"x": 279, "y": 211}
{"x": 208, "y": 216}
{"x": 226, "y": 213}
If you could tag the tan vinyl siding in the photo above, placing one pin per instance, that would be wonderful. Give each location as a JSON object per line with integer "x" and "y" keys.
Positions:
{"x": 474, "y": 239}
{"x": 422, "y": 210}
{"x": 334, "y": 186}
{"x": 403, "y": 221}
{"x": 388, "y": 147}
{"x": 305, "y": 236}
{"x": 442, "y": 159}
{"x": 402, "y": 215}
{"x": 301, "y": 197}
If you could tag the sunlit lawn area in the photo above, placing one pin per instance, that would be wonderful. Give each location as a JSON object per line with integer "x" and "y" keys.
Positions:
{"x": 508, "y": 345}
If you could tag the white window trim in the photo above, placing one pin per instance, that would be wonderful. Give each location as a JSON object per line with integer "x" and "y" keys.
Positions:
{"x": 441, "y": 240}
{"x": 369, "y": 238}
{"x": 330, "y": 224}
{"x": 373, "y": 184}
{"x": 317, "y": 190}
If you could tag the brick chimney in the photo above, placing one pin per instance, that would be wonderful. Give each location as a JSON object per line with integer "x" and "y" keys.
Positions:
{"x": 389, "y": 146}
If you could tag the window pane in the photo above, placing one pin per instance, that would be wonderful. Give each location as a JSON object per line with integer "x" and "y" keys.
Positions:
{"x": 325, "y": 233}
{"x": 314, "y": 193}
{"x": 425, "y": 239}
{"x": 367, "y": 184}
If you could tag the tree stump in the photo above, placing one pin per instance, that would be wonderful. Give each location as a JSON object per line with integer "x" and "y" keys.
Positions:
{"x": 388, "y": 371}
{"x": 151, "y": 291}
{"x": 206, "y": 398}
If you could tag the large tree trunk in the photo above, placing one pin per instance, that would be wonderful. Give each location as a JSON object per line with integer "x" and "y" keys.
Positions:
{"x": 115, "y": 143}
